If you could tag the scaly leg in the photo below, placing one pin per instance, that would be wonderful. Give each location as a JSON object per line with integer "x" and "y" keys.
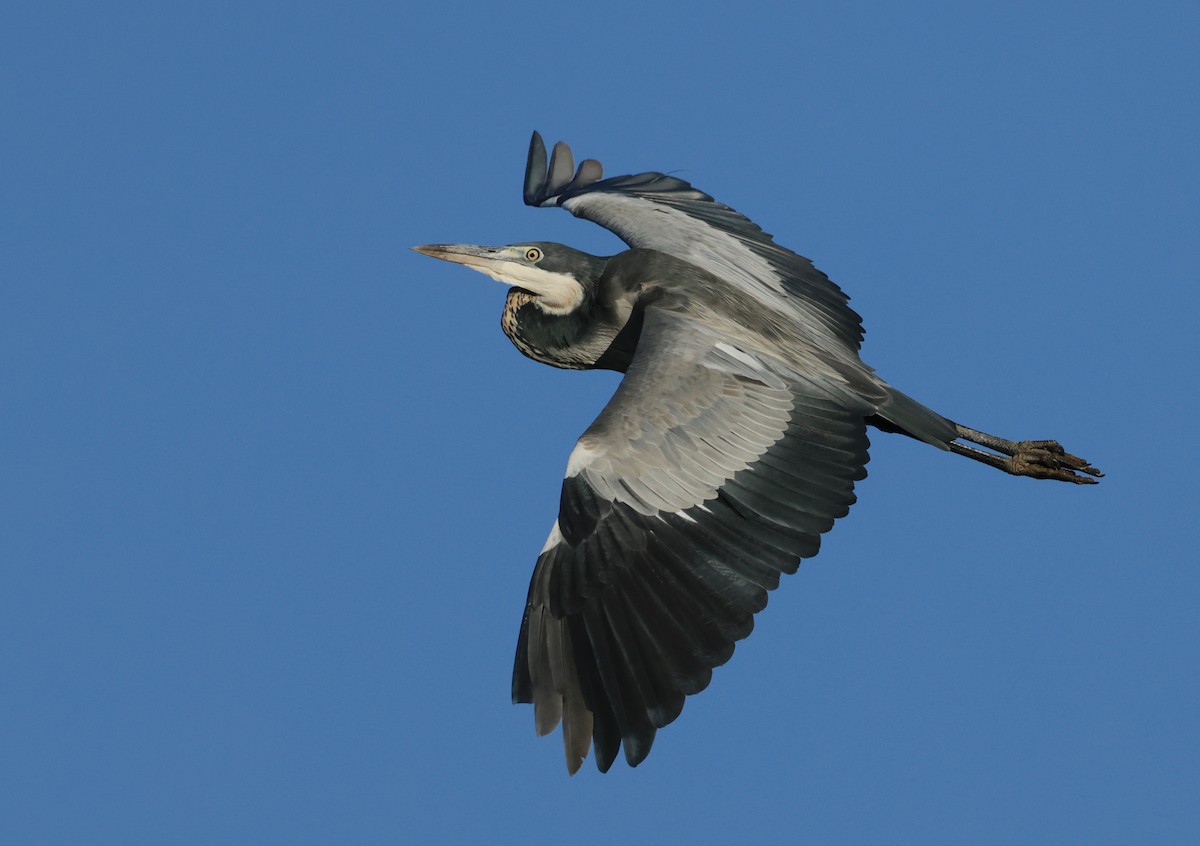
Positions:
{"x": 1036, "y": 459}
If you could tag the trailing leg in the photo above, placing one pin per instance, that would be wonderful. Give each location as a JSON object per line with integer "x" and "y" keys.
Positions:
{"x": 1036, "y": 459}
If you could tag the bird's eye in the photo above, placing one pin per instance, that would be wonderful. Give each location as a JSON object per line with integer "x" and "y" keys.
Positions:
{"x": 533, "y": 254}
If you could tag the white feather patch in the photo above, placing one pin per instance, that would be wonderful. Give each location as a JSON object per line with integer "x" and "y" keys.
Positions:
{"x": 555, "y": 538}
{"x": 735, "y": 353}
{"x": 558, "y": 293}
{"x": 580, "y": 458}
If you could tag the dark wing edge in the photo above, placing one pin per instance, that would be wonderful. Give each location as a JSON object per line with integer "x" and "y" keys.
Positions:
{"x": 619, "y": 205}
{"x": 546, "y": 184}
{"x": 553, "y": 184}
{"x": 638, "y": 595}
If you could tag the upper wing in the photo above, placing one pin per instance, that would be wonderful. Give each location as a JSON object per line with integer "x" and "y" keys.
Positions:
{"x": 710, "y": 472}
{"x": 659, "y": 212}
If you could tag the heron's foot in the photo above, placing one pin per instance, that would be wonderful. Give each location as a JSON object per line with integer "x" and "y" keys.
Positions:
{"x": 1048, "y": 460}
{"x": 1036, "y": 459}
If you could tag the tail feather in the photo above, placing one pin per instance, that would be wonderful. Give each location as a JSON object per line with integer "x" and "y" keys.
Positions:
{"x": 901, "y": 413}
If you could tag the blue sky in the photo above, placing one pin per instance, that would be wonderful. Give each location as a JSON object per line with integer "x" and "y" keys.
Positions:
{"x": 272, "y": 485}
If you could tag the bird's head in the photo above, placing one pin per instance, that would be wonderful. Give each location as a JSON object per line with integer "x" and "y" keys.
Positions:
{"x": 558, "y": 276}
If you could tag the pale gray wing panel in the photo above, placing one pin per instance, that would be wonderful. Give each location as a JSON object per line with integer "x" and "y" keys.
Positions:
{"x": 660, "y": 212}
{"x": 711, "y": 472}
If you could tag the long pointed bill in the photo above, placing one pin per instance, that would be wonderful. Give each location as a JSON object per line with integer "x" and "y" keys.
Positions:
{"x": 477, "y": 257}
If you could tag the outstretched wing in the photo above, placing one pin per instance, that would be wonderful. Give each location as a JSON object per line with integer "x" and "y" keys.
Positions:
{"x": 659, "y": 212}
{"x": 710, "y": 472}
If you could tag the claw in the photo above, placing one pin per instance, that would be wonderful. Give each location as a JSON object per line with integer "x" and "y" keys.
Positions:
{"x": 1048, "y": 460}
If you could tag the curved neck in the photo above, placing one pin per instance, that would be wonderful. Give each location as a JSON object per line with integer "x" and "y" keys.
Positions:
{"x": 582, "y": 339}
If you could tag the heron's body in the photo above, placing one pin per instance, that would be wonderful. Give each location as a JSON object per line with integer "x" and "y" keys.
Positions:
{"x": 733, "y": 442}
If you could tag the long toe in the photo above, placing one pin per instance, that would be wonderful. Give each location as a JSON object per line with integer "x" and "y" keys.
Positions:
{"x": 1048, "y": 460}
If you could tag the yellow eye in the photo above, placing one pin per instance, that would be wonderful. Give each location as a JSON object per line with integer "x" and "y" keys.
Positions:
{"x": 533, "y": 254}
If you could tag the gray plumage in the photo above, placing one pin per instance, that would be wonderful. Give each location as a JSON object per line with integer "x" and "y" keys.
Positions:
{"x": 733, "y": 442}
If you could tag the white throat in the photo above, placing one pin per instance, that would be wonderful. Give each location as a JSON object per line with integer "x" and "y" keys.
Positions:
{"x": 557, "y": 293}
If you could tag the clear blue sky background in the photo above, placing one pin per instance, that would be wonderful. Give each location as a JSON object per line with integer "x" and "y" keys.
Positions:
{"x": 272, "y": 485}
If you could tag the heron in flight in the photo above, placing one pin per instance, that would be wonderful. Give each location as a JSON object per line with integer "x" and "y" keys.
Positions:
{"x": 732, "y": 443}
